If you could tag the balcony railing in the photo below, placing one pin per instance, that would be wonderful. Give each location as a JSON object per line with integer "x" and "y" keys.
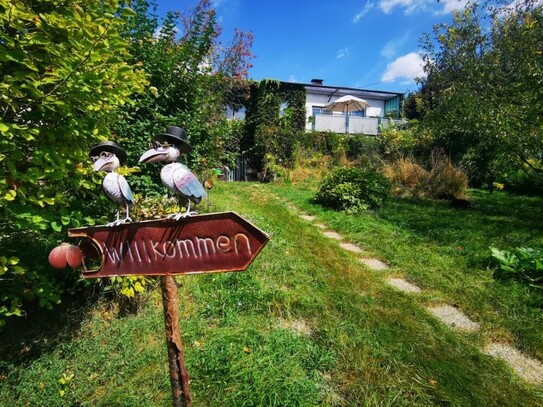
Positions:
{"x": 353, "y": 124}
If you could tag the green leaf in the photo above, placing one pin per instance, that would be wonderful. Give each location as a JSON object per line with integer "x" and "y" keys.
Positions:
{"x": 56, "y": 227}
{"x": 128, "y": 12}
{"x": 504, "y": 257}
{"x": 10, "y": 195}
{"x": 37, "y": 219}
{"x": 65, "y": 220}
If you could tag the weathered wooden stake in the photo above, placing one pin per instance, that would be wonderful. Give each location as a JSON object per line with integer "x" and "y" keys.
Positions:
{"x": 179, "y": 377}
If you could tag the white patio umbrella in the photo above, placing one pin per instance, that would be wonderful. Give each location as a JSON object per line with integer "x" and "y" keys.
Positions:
{"x": 347, "y": 104}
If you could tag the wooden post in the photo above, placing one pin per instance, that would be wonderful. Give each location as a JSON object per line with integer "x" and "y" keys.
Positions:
{"x": 178, "y": 373}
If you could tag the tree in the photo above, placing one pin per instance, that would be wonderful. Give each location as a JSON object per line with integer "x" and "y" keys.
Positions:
{"x": 63, "y": 74}
{"x": 195, "y": 77}
{"x": 483, "y": 87}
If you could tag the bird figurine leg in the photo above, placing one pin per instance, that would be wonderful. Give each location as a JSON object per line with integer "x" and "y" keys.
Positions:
{"x": 188, "y": 212}
{"x": 181, "y": 214}
{"x": 127, "y": 217}
{"x": 115, "y": 222}
{"x": 177, "y": 215}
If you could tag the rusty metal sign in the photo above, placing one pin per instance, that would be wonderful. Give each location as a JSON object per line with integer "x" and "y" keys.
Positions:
{"x": 206, "y": 243}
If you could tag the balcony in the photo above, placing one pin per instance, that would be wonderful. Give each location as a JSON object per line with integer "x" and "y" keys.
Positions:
{"x": 339, "y": 123}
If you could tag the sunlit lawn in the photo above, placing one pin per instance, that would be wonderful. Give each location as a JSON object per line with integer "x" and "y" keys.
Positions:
{"x": 307, "y": 324}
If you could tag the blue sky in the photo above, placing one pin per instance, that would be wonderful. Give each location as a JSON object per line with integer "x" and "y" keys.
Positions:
{"x": 369, "y": 44}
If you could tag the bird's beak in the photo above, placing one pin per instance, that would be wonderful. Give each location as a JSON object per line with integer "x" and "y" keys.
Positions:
{"x": 99, "y": 164}
{"x": 153, "y": 156}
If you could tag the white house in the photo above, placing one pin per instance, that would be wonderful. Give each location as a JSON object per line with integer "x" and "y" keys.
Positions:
{"x": 383, "y": 109}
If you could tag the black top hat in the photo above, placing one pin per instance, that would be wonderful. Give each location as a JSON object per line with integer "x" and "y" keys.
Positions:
{"x": 176, "y": 136}
{"x": 110, "y": 147}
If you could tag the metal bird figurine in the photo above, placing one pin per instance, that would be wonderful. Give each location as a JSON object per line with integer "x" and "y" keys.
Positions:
{"x": 108, "y": 156}
{"x": 175, "y": 176}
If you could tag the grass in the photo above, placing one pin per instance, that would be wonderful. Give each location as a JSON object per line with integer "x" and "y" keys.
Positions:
{"x": 306, "y": 324}
{"x": 446, "y": 252}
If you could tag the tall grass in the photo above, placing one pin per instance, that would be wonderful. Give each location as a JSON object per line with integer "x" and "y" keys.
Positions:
{"x": 411, "y": 180}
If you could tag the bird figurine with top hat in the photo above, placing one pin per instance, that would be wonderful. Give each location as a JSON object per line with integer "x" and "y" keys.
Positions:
{"x": 168, "y": 147}
{"x": 108, "y": 156}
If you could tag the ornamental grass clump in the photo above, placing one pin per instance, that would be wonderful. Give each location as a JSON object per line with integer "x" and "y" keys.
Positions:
{"x": 445, "y": 179}
{"x": 408, "y": 178}
{"x": 352, "y": 190}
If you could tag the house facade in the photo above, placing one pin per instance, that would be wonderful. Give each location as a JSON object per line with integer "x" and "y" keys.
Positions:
{"x": 383, "y": 108}
{"x": 382, "y": 111}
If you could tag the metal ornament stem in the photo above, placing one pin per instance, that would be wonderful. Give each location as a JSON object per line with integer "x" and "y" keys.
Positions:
{"x": 179, "y": 377}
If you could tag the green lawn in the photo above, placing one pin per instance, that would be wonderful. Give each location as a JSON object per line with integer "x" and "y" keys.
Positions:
{"x": 307, "y": 324}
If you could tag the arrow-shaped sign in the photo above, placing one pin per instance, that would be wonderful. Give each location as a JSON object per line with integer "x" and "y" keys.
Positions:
{"x": 198, "y": 244}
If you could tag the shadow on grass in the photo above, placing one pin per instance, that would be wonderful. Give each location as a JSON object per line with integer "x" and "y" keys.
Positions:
{"x": 496, "y": 219}
{"x": 26, "y": 338}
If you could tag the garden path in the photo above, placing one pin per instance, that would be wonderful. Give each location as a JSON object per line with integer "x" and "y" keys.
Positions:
{"x": 527, "y": 368}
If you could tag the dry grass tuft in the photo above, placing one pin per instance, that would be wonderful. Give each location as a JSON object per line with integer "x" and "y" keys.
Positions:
{"x": 407, "y": 177}
{"x": 411, "y": 180}
{"x": 446, "y": 179}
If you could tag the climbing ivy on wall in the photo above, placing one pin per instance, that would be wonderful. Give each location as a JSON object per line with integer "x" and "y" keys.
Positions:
{"x": 275, "y": 120}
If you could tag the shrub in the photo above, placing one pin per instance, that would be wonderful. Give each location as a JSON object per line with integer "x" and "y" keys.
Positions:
{"x": 395, "y": 142}
{"x": 330, "y": 144}
{"x": 524, "y": 263}
{"x": 353, "y": 189}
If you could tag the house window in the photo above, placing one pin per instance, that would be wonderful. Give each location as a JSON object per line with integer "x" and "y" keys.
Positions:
{"x": 318, "y": 110}
{"x": 235, "y": 114}
{"x": 282, "y": 108}
{"x": 359, "y": 113}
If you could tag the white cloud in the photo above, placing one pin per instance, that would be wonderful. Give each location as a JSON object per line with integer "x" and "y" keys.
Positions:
{"x": 405, "y": 68}
{"x": 369, "y": 5}
{"x": 390, "y": 49}
{"x": 451, "y": 5}
{"x": 440, "y": 7}
{"x": 409, "y": 6}
{"x": 342, "y": 52}
{"x": 293, "y": 79}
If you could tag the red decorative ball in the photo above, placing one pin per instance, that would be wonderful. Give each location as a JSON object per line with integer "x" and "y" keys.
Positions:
{"x": 57, "y": 257}
{"x": 74, "y": 256}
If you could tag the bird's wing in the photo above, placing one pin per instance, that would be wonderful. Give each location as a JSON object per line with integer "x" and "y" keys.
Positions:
{"x": 187, "y": 183}
{"x": 125, "y": 189}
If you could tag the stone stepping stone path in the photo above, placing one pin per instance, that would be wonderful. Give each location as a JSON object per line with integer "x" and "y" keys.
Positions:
{"x": 309, "y": 218}
{"x": 332, "y": 235}
{"x": 454, "y": 318}
{"x": 351, "y": 248}
{"x": 373, "y": 264}
{"x": 403, "y": 285}
{"x": 529, "y": 369}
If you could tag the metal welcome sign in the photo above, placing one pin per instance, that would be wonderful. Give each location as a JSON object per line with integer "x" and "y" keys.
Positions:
{"x": 185, "y": 243}
{"x": 209, "y": 243}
